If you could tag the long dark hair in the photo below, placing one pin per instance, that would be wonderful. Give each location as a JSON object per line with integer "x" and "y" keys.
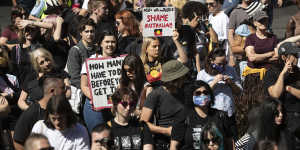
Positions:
{"x": 61, "y": 106}
{"x": 217, "y": 52}
{"x": 198, "y": 84}
{"x": 267, "y": 128}
{"x": 135, "y": 63}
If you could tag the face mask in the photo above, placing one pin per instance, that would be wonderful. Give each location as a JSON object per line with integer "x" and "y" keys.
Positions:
{"x": 218, "y": 68}
{"x": 201, "y": 100}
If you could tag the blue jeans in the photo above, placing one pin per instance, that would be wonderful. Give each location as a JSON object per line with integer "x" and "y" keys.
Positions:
{"x": 91, "y": 117}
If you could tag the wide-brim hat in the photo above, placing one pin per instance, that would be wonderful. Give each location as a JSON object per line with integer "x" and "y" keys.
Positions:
{"x": 173, "y": 70}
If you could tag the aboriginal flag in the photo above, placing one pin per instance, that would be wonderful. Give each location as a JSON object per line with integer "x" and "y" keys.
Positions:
{"x": 158, "y": 32}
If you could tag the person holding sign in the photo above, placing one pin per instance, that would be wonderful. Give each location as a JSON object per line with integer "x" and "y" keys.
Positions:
{"x": 152, "y": 59}
{"x": 108, "y": 45}
{"x": 127, "y": 132}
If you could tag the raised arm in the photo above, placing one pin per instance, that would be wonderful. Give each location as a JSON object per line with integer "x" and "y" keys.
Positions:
{"x": 182, "y": 55}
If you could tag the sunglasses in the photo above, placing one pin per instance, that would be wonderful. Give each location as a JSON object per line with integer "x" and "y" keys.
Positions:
{"x": 210, "y": 4}
{"x": 48, "y": 148}
{"x": 197, "y": 93}
{"x": 125, "y": 104}
{"x": 130, "y": 70}
{"x": 214, "y": 140}
{"x": 118, "y": 23}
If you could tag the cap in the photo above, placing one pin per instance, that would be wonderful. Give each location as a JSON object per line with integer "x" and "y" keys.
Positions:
{"x": 288, "y": 48}
{"x": 260, "y": 15}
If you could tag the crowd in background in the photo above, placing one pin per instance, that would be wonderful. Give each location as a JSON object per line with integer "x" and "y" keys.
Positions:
{"x": 223, "y": 81}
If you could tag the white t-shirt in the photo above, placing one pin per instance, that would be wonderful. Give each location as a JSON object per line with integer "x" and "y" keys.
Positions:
{"x": 75, "y": 138}
{"x": 83, "y": 68}
{"x": 220, "y": 24}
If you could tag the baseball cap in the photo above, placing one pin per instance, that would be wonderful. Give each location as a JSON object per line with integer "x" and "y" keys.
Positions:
{"x": 288, "y": 48}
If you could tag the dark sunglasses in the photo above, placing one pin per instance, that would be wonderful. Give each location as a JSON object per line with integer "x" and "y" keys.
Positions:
{"x": 48, "y": 148}
{"x": 125, "y": 104}
{"x": 210, "y": 4}
{"x": 197, "y": 93}
{"x": 130, "y": 70}
{"x": 117, "y": 23}
{"x": 214, "y": 140}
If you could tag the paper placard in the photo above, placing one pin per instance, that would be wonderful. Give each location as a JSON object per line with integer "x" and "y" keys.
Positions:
{"x": 103, "y": 78}
{"x": 158, "y": 21}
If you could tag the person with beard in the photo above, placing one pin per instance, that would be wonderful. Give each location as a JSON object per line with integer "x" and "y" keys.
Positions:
{"x": 282, "y": 81}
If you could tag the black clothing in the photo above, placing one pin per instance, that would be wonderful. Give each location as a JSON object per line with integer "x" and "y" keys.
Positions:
{"x": 135, "y": 47}
{"x": 59, "y": 50}
{"x": 26, "y": 121}
{"x": 26, "y": 4}
{"x": 290, "y": 102}
{"x": 159, "y": 100}
{"x": 20, "y": 59}
{"x": 123, "y": 42}
{"x": 188, "y": 130}
{"x": 132, "y": 136}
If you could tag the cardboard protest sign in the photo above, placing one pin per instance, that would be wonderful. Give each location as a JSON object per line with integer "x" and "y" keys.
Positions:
{"x": 103, "y": 78}
{"x": 158, "y": 21}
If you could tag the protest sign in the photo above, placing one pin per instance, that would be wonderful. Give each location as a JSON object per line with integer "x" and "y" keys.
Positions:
{"x": 103, "y": 78}
{"x": 158, "y": 21}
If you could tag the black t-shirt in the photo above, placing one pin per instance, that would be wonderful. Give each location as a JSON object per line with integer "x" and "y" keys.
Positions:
{"x": 188, "y": 131}
{"x": 123, "y": 42}
{"x": 166, "y": 108}
{"x": 132, "y": 136}
{"x": 26, "y": 121}
{"x": 22, "y": 66}
{"x": 290, "y": 102}
{"x": 59, "y": 50}
{"x": 34, "y": 87}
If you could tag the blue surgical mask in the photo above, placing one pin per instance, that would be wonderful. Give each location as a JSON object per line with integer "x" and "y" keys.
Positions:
{"x": 219, "y": 68}
{"x": 201, "y": 100}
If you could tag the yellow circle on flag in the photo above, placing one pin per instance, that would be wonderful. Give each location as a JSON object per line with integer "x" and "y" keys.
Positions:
{"x": 158, "y": 32}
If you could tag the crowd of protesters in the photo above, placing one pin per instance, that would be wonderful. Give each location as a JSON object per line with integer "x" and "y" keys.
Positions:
{"x": 223, "y": 81}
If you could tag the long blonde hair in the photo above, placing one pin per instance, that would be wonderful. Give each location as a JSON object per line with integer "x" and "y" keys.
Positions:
{"x": 144, "y": 57}
{"x": 42, "y": 53}
{"x": 146, "y": 42}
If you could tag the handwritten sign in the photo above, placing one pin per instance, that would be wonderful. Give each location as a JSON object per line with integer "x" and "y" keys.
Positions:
{"x": 103, "y": 76}
{"x": 158, "y": 21}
